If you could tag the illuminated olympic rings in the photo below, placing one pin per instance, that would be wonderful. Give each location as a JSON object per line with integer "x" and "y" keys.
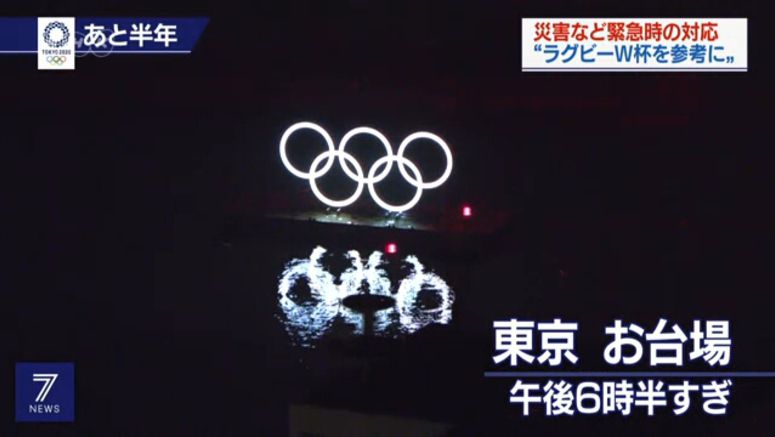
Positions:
{"x": 373, "y": 175}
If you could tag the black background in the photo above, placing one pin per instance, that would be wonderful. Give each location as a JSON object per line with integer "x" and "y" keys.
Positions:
{"x": 627, "y": 195}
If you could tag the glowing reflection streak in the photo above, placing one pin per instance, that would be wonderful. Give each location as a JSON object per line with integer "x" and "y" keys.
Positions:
{"x": 412, "y": 316}
{"x": 308, "y": 321}
{"x": 351, "y": 280}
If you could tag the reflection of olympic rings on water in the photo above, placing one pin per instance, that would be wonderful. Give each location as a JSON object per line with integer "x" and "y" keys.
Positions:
{"x": 374, "y": 175}
{"x": 307, "y": 320}
{"x": 414, "y": 316}
{"x": 56, "y": 60}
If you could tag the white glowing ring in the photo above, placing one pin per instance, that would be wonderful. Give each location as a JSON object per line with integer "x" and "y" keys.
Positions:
{"x": 284, "y": 155}
{"x": 415, "y": 178}
{"x": 344, "y": 157}
{"x": 401, "y": 161}
{"x": 447, "y": 153}
{"x": 375, "y": 133}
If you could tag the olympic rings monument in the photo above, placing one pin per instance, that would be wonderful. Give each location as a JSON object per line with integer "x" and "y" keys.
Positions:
{"x": 325, "y": 161}
{"x": 384, "y": 308}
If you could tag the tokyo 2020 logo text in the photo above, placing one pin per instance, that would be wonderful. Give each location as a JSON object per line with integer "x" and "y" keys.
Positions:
{"x": 353, "y": 169}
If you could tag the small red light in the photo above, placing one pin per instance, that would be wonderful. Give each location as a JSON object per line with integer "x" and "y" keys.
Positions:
{"x": 467, "y": 212}
{"x": 391, "y": 248}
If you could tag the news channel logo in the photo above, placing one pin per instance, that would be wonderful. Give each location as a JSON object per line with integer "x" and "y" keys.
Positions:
{"x": 45, "y": 392}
